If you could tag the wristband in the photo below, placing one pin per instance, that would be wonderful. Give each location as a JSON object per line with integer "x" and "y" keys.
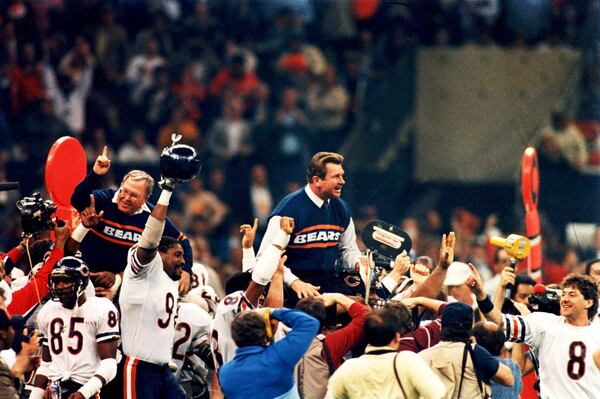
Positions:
{"x": 79, "y": 233}
{"x": 91, "y": 387}
{"x": 485, "y": 305}
{"x": 281, "y": 239}
{"x": 164, "y": 198}
{"x": 37, "y": 393}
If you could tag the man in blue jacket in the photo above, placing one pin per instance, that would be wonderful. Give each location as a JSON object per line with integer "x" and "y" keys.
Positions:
{"x": 260, "y": 369}
{"x": 125, "y": 212}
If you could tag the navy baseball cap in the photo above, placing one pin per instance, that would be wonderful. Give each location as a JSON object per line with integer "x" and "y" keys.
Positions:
{"x": 458, "y": 314}
{"x": 7, "y": 320}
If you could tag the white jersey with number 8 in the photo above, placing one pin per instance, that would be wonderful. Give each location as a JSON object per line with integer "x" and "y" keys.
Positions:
{"x": 221, "y": 343}
{"x": 565, "y": 353}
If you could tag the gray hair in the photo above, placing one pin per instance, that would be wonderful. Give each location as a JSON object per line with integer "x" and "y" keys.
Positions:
{"x": 140, "y": 175}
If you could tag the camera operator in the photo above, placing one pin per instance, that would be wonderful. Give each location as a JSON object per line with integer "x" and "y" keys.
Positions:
{"x": 36, "y": 218}
{"x": 26, "y": 298}
{"x": 567, "y": 346}
{"x": 520, "y": 289}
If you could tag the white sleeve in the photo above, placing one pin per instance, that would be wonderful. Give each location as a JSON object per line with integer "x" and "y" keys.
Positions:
{"x": 270, "y": 233}
{"x": 248, "y": 259}
{"x": 272, "y": 229}
{"x": 348, "y": 248}
{"x": 529, "y": 329}
{"x": 135, "y": 268}
{"x": 202, "y": 323}
{"x": 108, "y": 323}
{"x": 268, "y": 262}
{"x": 288, "y": 276}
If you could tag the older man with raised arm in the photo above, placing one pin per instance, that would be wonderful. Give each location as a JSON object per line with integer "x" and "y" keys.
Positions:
{"x": 126, "y": 211}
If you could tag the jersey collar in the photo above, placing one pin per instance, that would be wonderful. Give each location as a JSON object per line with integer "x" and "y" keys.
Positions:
{"x": 143, "y": 208}
{"x": 313, "y": 197}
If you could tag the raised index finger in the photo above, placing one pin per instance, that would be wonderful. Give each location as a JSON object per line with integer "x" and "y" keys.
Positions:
{"x": 105, "y": 151}
{"x": 92, "y": 201}
{"x": 255, "y": 225}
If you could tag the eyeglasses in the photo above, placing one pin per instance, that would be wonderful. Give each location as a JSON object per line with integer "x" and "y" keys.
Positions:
{"x": 130, "y": 194}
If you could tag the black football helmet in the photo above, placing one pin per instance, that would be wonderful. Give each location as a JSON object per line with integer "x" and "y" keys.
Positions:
{"x": 68, "y": 269}
{"x": 180, "y": 163}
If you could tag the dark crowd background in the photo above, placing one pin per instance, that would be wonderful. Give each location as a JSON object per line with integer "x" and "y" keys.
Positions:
{"x": 256, "y": 86}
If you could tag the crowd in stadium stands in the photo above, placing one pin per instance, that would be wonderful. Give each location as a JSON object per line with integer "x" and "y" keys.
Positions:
{"x": 257, "y": 87}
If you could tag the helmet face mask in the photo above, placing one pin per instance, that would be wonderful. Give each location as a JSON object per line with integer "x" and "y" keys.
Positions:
{"x": 68, "y": 280}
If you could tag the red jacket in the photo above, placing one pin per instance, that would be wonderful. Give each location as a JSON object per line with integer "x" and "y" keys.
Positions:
{"x": 28, "y": 297}
{"x": 344, "y": 339}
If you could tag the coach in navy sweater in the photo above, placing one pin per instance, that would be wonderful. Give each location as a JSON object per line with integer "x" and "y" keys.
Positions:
{"x": 105, "y": 246}
{"x": 260, "y": 370}
{"x": 323, "y": 229}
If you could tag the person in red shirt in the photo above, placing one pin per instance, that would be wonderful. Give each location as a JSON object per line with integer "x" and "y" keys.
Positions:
{"x": 27, "y": 298}
{"x": 235, "y": 78}
{"x": 26, "y": 84}
{"x": 331, "y": 345}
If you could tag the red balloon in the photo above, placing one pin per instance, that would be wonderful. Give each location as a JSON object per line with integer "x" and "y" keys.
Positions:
{"x": 66, "y": 167}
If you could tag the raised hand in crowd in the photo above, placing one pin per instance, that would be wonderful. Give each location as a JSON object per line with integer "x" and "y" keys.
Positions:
{"x": 102, "y": 164}
{"x": 447, "y": 250}
{"x": 419, "y": 273}
{"x": 61, "y": 235}
{"x": 88, "y": 216}
{"x": 475, "y": 283}
{"x": 507, "y": 277}
{"x": 249, "y": 232}
{"x": 401, "y": 266}
{"x": 432, "y": 286}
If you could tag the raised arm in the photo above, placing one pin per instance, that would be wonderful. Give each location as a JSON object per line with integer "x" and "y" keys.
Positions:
{"x": 433, "y": 285}
{"x": 491, "y": 312}
{"x": 248, "y": 256}
{"x": 507, "y": 276}
{"x": 269, "y": 261}
{"x": 304, "y": 328}
{"x": 155, "y": 225}
{"x": 80, "y": 197}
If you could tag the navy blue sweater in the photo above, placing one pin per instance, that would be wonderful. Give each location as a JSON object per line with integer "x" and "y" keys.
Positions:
{"x": 105, "y": 246}
{"x": 313, "y": 243}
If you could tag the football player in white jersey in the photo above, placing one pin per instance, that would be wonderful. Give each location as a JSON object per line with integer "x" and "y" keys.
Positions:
{"x": 148, "y": 302}
{"x": 245, "y": 289}
{"x": 80, "y": 336}
{"x": 191, "y": 335}
{"x": 567, "y": 346}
